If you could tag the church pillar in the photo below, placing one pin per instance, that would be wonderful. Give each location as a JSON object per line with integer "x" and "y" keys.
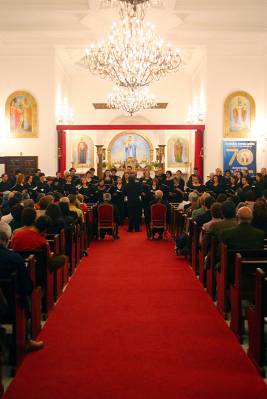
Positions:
{"x": 99, "y": 152}
{"x": 162, "y": 156}
{"x": 61, "y": 151}
{"x": 199, "y": 151}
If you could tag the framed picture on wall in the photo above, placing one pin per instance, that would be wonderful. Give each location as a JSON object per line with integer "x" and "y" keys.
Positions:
{"x": 21, "y": 115}
{"x": 239, "y": 115}
{"x": 82, "y": 152}
{"x": 130, "y": 148}
{"x": 177, "y": 151}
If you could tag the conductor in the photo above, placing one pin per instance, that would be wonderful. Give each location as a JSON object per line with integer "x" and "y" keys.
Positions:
{"x": 133, "y": 192}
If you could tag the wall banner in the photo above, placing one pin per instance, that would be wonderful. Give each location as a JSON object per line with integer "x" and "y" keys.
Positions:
{"x": 240, "y": 155}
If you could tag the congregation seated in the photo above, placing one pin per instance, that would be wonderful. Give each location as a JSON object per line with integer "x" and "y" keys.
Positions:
{"x": 205, "y": 216}
{"x": 11, "y": 262}
{"x": 74, "y": 206}
{"x": 244, "y": 235}
{"x": 43, "y": 203}
{"x": 7, "y": 207}
{"x": 33, "y": 238}
{"x": 228, "y": 221}
{"x": 57, "y": 221}
{"x": 260, "y": 215}
{"x": 200, "y": 209}
{"x": 216, "y": 216}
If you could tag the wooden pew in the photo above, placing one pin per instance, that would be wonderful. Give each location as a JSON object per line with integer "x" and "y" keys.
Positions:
{"x": 257, "y": 319}
{"x": 202, "y": 253}
{"x": 44, "y": 277}
{"x": 77, "y": 244}
{"x": 63, "y": 252}
{"x": 210, "y": 269}
{"x": 243, "y": 288}
{"x": 225, "y": 275}
{"x": 180, "y": 221}
{"x": 15, "y": 316}
{"x": 54, "y": 242}
{"x": 173, "y": 223}
{"x": 70, "y": 247}
{"x": 90, "y": 215}
{"x": 36, "y": 298}
{"x": 195, "y": 246}
{"x": 187, "y": 232}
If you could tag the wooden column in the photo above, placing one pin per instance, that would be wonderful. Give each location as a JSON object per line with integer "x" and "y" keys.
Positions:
{"x": 162, "y": 156}
{"x": 61, "y": 151}
{"x": 99, "y": 151}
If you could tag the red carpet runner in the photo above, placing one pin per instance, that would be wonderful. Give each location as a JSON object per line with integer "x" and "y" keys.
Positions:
{"x": 134, "y": 323}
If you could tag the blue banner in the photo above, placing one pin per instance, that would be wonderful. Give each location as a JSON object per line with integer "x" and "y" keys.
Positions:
{"x": 240, "y": 155}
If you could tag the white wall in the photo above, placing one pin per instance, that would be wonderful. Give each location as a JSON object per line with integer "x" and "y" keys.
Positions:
{"x": 224, "y": 68}
{"x": 34, "y": 73}
{"x": 87, "y": 89}
{"x": 232, "y": 68}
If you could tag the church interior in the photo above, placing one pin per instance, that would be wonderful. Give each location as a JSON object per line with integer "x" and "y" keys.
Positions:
{"x": 133, "y": 116}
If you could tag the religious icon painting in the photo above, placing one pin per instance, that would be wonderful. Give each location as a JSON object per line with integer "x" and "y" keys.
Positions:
{"x": 82, "y": 152}
{"x": 21, "y": 115}
{"x": 177, "y": 151}
{"x": 239, "y": 115}
{"x": 130, "y": 149}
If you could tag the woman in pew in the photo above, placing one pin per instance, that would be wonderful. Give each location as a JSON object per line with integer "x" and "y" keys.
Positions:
{"x": 20, "y": 184}
{"x": 216, "y": 187}
{"x": 33, "y": 238}
{"x": 12, "y": 262}
{"x": 196, "y": 185}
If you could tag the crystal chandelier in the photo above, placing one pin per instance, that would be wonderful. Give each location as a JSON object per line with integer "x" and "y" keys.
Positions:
{"x": 129, "y": 100}
{"x": 132, "y": 8}
{"x": 133, "y": 56}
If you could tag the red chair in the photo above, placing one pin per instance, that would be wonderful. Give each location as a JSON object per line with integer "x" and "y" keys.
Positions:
{"x": 106, "y": 222}
{"x": 158, "y": 214}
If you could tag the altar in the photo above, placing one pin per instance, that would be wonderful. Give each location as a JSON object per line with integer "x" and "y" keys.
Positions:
{"x": 170, "y": 147}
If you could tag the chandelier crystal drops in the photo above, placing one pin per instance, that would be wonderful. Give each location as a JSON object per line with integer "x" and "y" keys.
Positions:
{"x": 133, "y": 56}
{"x": 131, "y": 101}
{"x": 132, "y": 8}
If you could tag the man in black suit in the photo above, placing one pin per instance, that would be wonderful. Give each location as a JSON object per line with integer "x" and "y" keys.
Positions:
{"x": 42, "y": 186}
{"x": 5, "y": 184}
{"x": 12, "y": 262}
{"x": 133, "y": 192}
{"x": 243, "y": 236}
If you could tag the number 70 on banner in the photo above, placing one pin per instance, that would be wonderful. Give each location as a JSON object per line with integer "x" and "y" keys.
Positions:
{"x": 235, "y": 151}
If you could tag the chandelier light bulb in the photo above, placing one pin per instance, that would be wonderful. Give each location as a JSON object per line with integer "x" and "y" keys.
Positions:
{"x": 131, "y": 101}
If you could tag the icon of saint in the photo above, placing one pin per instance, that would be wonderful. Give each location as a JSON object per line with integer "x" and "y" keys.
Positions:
{"x": 178, "y": 151}
{"x": 82, "y": 152}
{"x": 130, "y": 148}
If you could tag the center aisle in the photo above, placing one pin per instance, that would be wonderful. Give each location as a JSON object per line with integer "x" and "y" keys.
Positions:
{"x": 134, "y": 323}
